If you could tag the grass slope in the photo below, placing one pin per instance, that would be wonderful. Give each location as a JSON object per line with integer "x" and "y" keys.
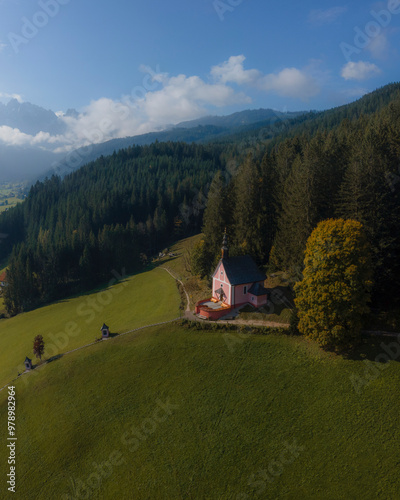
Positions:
{"x": 10, "y": 193}
{"x": 234, "y": 410}
{"x": 93, "y": 424}
{"x": 11, "y": 202}
{"x": 142, "y": 299}
{"x": 197, "y": 288}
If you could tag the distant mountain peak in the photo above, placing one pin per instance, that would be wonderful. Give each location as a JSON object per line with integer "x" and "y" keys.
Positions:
{"x": 30, "y": 118}
{"x": 72, "y": 112}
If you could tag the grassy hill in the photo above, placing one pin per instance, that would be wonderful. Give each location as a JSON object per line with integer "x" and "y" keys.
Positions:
{"x": 142, "y": 299}
{"x": 175, "y": 413}
{"x": 223, "y": 436}
{"x": 181, "y": 268}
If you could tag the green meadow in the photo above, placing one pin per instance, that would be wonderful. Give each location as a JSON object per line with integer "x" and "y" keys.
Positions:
{"x": 11, "y": 202}
{"x": 10, "y": 195}
{"x": 197, "y": 288}
{"x": 173, "y": 413}
{"x": 142, "y": 299}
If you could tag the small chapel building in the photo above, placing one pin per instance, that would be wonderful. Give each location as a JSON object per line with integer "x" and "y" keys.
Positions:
{"x": 105, "y": 331}
{"x": 3, "y": 279}
{"x": 237, "y": 281}
{"x": 28, "y": 363}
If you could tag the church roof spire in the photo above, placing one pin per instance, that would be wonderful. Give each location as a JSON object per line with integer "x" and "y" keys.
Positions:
{"x": 225, "y": 247}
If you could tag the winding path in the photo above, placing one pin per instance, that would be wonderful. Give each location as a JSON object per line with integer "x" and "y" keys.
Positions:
{"x": 119, "y": 335}
{"x": 88, "y": 345}
{"x": 183, "y": 286}
{"x": 190, "y": 316}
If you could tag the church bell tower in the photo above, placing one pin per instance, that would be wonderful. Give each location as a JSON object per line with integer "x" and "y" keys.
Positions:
{"x": 225, "y": 248}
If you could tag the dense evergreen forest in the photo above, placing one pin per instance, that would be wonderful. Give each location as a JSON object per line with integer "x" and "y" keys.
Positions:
{"x": 275, "y": 200}
{"x": 113, "y": 213}
{"x": 260, "y": 134}
{"x": 116, "y": 212}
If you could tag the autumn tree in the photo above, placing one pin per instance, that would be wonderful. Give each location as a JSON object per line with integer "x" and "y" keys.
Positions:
{"x": 333, "y": 295}
{"x": 38, "y": 346}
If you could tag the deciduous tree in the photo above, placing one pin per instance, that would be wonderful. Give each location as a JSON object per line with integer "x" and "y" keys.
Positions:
{"x": 334, "y": 293}
{"x": 38, "y": 346}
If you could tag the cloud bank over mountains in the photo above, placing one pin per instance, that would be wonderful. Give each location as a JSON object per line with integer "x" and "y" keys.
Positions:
{"x": 161, "y": 101}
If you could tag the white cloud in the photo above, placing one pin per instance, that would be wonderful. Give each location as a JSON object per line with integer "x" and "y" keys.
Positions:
{"x": 5, "y": 95}
{"x": 165, "y": 100}
{"x": 359, "y": 70}
{"x": 179, "y": 98}
{"x": 319, "y": 17}
{"x": 99, "y": 121}
{"x": 379, "y": 46}
{"x": 14, "y": 137}
{"x": 2, "y": 46}
{"x": 233, "y": 71}
{"x": 182, "y": 98}
{"x": 290, "y": 82}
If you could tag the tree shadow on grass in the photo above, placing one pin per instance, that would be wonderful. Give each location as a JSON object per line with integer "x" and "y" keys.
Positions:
{"x": 163, "y": 261}
{"x": 279, "y": 299}
{"x": 103, "y": 287}
{"x": 375, "y": 348}
{"x": 54, "y": 358}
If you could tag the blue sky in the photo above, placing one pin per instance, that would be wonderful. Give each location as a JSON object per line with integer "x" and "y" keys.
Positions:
{"x": 145, "y": 64}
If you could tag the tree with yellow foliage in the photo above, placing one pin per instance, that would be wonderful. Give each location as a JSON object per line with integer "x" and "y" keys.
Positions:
{"x": 334, "y": 293}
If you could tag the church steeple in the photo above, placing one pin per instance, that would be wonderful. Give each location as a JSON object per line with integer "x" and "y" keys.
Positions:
{"x": 225, "y": 248}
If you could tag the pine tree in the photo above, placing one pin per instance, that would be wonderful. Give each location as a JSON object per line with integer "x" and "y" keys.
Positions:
{"x": 365, "y": 196}
{"x": 269, "y": 186}
{"x": 216, "y": 214}
{"x": 297, "y": 218}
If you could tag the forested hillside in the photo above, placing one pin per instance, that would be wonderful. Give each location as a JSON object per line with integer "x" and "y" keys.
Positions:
{"x": 272, "y": 205}
{"x": 312, "y": 122}
{"x": 118, "y": 211}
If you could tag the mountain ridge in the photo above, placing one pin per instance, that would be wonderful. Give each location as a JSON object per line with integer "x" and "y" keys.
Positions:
{"x": 30, "y": 118}
{"x": 32, "y": 163}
